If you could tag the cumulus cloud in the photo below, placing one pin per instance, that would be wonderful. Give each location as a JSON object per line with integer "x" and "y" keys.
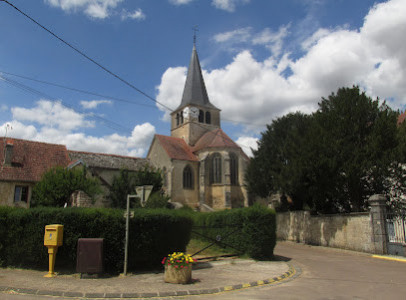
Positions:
{"x": 228, "y": 5}
{"x": 256, "y": 91}
{"x": 94, "y": 103}
{"x": 135, "y": 15}
{"x": 238, "y": 35}
{"x": 247, "y": 144}
{"x": 51, "y": 122}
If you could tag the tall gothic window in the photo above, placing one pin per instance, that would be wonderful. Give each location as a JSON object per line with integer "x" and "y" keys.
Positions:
{"x": 215, "y": 172}
{"x": 208, "y": 117}
{"x": 233, "y": 169}
{"x": 181, "y": 117}
{"x": 177, "y": 119}
{"x": 201, "y": 116}
{"x": 187, "y": 177}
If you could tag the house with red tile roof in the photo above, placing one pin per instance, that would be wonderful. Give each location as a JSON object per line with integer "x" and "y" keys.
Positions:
{"x": 203, "y": 167}
{"x": 22, "y": 165}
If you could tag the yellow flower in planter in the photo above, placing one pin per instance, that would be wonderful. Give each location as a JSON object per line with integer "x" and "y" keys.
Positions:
{"x": 178, "y": 260}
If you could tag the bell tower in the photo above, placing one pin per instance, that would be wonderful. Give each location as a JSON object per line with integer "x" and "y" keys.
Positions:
{"x": 195, "y": 115}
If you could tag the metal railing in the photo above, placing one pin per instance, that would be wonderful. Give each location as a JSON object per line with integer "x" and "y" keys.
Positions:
{"x": 395, "y": 225}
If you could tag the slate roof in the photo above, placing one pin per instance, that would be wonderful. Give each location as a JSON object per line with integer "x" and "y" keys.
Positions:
{"x": 107, "y": 161}
{"x": 194, "y": 92}
{"x": 176, "y": 148}
{"x": 30, "y": 160}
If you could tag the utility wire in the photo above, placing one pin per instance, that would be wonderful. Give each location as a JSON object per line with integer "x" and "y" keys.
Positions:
{"x": 78, "y": 90}
{"x": 89, "y": 58}
{"x": 106, "y": 122}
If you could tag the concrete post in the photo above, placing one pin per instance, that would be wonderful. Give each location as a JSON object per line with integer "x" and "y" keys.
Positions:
{"x": 378, "y": 215}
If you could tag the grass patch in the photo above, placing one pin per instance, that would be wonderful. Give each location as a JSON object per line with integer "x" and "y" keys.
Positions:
{"x": 196, "y": 245}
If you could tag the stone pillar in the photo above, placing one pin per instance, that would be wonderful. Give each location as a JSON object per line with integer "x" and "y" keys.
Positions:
{"x": 378, "y": 215}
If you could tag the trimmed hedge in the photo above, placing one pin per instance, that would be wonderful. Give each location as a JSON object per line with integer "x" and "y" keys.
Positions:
{"x": 251, "y": 231}
{"x": 153, "y": 234}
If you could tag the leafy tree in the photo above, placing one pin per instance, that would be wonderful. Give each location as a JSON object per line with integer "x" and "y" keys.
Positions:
{"x": 279, "y": 163}
{"x": 58, "y": 184}
{"x": 332, "y": 160}
{"x": 354, "y": 145}
{"x": 125, "y": 183}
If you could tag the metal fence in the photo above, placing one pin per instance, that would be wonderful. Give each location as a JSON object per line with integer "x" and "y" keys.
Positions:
{"x": 395, "y": 225}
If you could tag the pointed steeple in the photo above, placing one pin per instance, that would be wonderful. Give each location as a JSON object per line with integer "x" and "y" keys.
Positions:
{"x": 195, "y": 92}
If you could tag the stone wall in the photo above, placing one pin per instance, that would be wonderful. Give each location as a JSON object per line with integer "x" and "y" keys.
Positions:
{"x": 346, "y": 231}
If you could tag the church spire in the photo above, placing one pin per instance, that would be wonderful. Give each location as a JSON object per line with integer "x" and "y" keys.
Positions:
{"x": 195, "y": 92}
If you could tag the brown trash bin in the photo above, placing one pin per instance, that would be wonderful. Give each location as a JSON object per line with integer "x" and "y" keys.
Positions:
{"x": 90, "y": 256}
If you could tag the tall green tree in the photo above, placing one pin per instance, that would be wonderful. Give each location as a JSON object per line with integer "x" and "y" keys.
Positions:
{"x": 125, "y": 183}
{"x": 279, "y": 163}
{"x": 353, "y": 145}
{"x": 58, "y": 184}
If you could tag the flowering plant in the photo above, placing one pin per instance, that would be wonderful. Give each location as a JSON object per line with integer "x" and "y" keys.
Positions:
{"x": 179, "y": 260}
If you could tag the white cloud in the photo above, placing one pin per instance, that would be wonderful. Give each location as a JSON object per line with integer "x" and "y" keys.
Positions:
{"x": 170, "y": 89}
{"x": 272, "y": 40}
{"x": 51, "y": 114}
{"x": 251, "y": 91}
{"x": 228, "y": 5}
{"x": 247, "y": 143}
{"x": 3, "y": 108}
{"x": 98, "y": 9}
{"x": 52, "y": 123}
{"x": 94, "y": 103}
{"x": 238, "y": 35}
{"x": 135, "y": 15}
{"x": 180, "y": 2}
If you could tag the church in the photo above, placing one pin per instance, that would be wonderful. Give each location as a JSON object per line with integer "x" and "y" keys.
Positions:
{"x": 202, "y": 166}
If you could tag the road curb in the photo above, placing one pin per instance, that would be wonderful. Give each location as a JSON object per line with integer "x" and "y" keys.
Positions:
{"x": 291, "y": 274}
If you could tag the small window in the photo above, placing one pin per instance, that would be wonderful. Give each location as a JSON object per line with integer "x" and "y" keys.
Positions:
{"x": 187, "y": 178}
{"x": 201, "y": 116}
{"x": 208, "y": 117}
{"x": 21, "y": 194}
{"x": 177, "y": 119}
{"x": 181, "y": 117}
{"x": 215, "y": 174}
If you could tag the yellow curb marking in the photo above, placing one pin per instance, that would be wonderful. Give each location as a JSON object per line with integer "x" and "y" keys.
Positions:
{"x": 260, "y": 282}
{"x": 228, "y": 288}
{"x": 389, "y": 258}
{"x": 247, "y": 285}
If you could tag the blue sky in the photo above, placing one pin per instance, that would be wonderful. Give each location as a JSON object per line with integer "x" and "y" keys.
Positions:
{"x": 261, "y": 59}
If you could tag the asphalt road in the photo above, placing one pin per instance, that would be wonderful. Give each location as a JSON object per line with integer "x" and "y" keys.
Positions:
{"x": 331, "y": 274}
{"x": 325, "y": 274}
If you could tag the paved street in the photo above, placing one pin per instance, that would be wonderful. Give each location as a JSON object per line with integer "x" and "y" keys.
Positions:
{"x": 331, "y": 274}
{"x": 325, "y": 274}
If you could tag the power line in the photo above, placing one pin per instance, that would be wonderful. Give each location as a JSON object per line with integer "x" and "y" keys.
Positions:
{"x": 77, "y": 90}
{"x": 106, "y": 122}
{"x": 89, "y": 58}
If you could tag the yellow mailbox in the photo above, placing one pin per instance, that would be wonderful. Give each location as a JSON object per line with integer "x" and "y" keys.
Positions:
{"x": 52, "y": 240}
{"x": 53, "y": 235}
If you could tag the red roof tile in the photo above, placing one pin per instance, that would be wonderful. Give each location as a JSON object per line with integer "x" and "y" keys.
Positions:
{"x": 176, "y": 148}
{"x": 401, "y": 118}
{"x": 215, "y": 139}
{"x": 30, "y": 160}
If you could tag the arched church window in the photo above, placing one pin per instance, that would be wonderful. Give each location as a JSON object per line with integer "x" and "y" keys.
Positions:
{"x": 208, "y": 117}
{"x": 233, "y": 169}
{"x": 201, "y": 116}
{"x": 181, "y": 117}
{"x": 215, "y": 172}
{"x": 165, "y": 177}
{"x": 187, "y": 177}
{"x": 177, "y": 119}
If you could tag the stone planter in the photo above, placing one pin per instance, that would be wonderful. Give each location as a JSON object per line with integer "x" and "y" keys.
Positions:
{"x": 173, "y": 275}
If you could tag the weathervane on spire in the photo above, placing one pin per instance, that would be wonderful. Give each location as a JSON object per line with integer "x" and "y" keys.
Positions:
{"x": 195, "y": 29}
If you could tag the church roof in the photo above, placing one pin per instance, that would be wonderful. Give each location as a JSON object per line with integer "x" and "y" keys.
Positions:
{"x": 216, "y": 138}
{"x": 176, "y": 148}
{"x": 195, "y": 92}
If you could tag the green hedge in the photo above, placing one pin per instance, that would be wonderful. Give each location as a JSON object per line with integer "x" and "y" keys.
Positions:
{"x": 251, "y": 231}
{"x": 153, "y": 234}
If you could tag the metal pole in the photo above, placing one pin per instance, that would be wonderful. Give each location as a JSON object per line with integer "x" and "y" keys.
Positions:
{"x": 127, "y": 225}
